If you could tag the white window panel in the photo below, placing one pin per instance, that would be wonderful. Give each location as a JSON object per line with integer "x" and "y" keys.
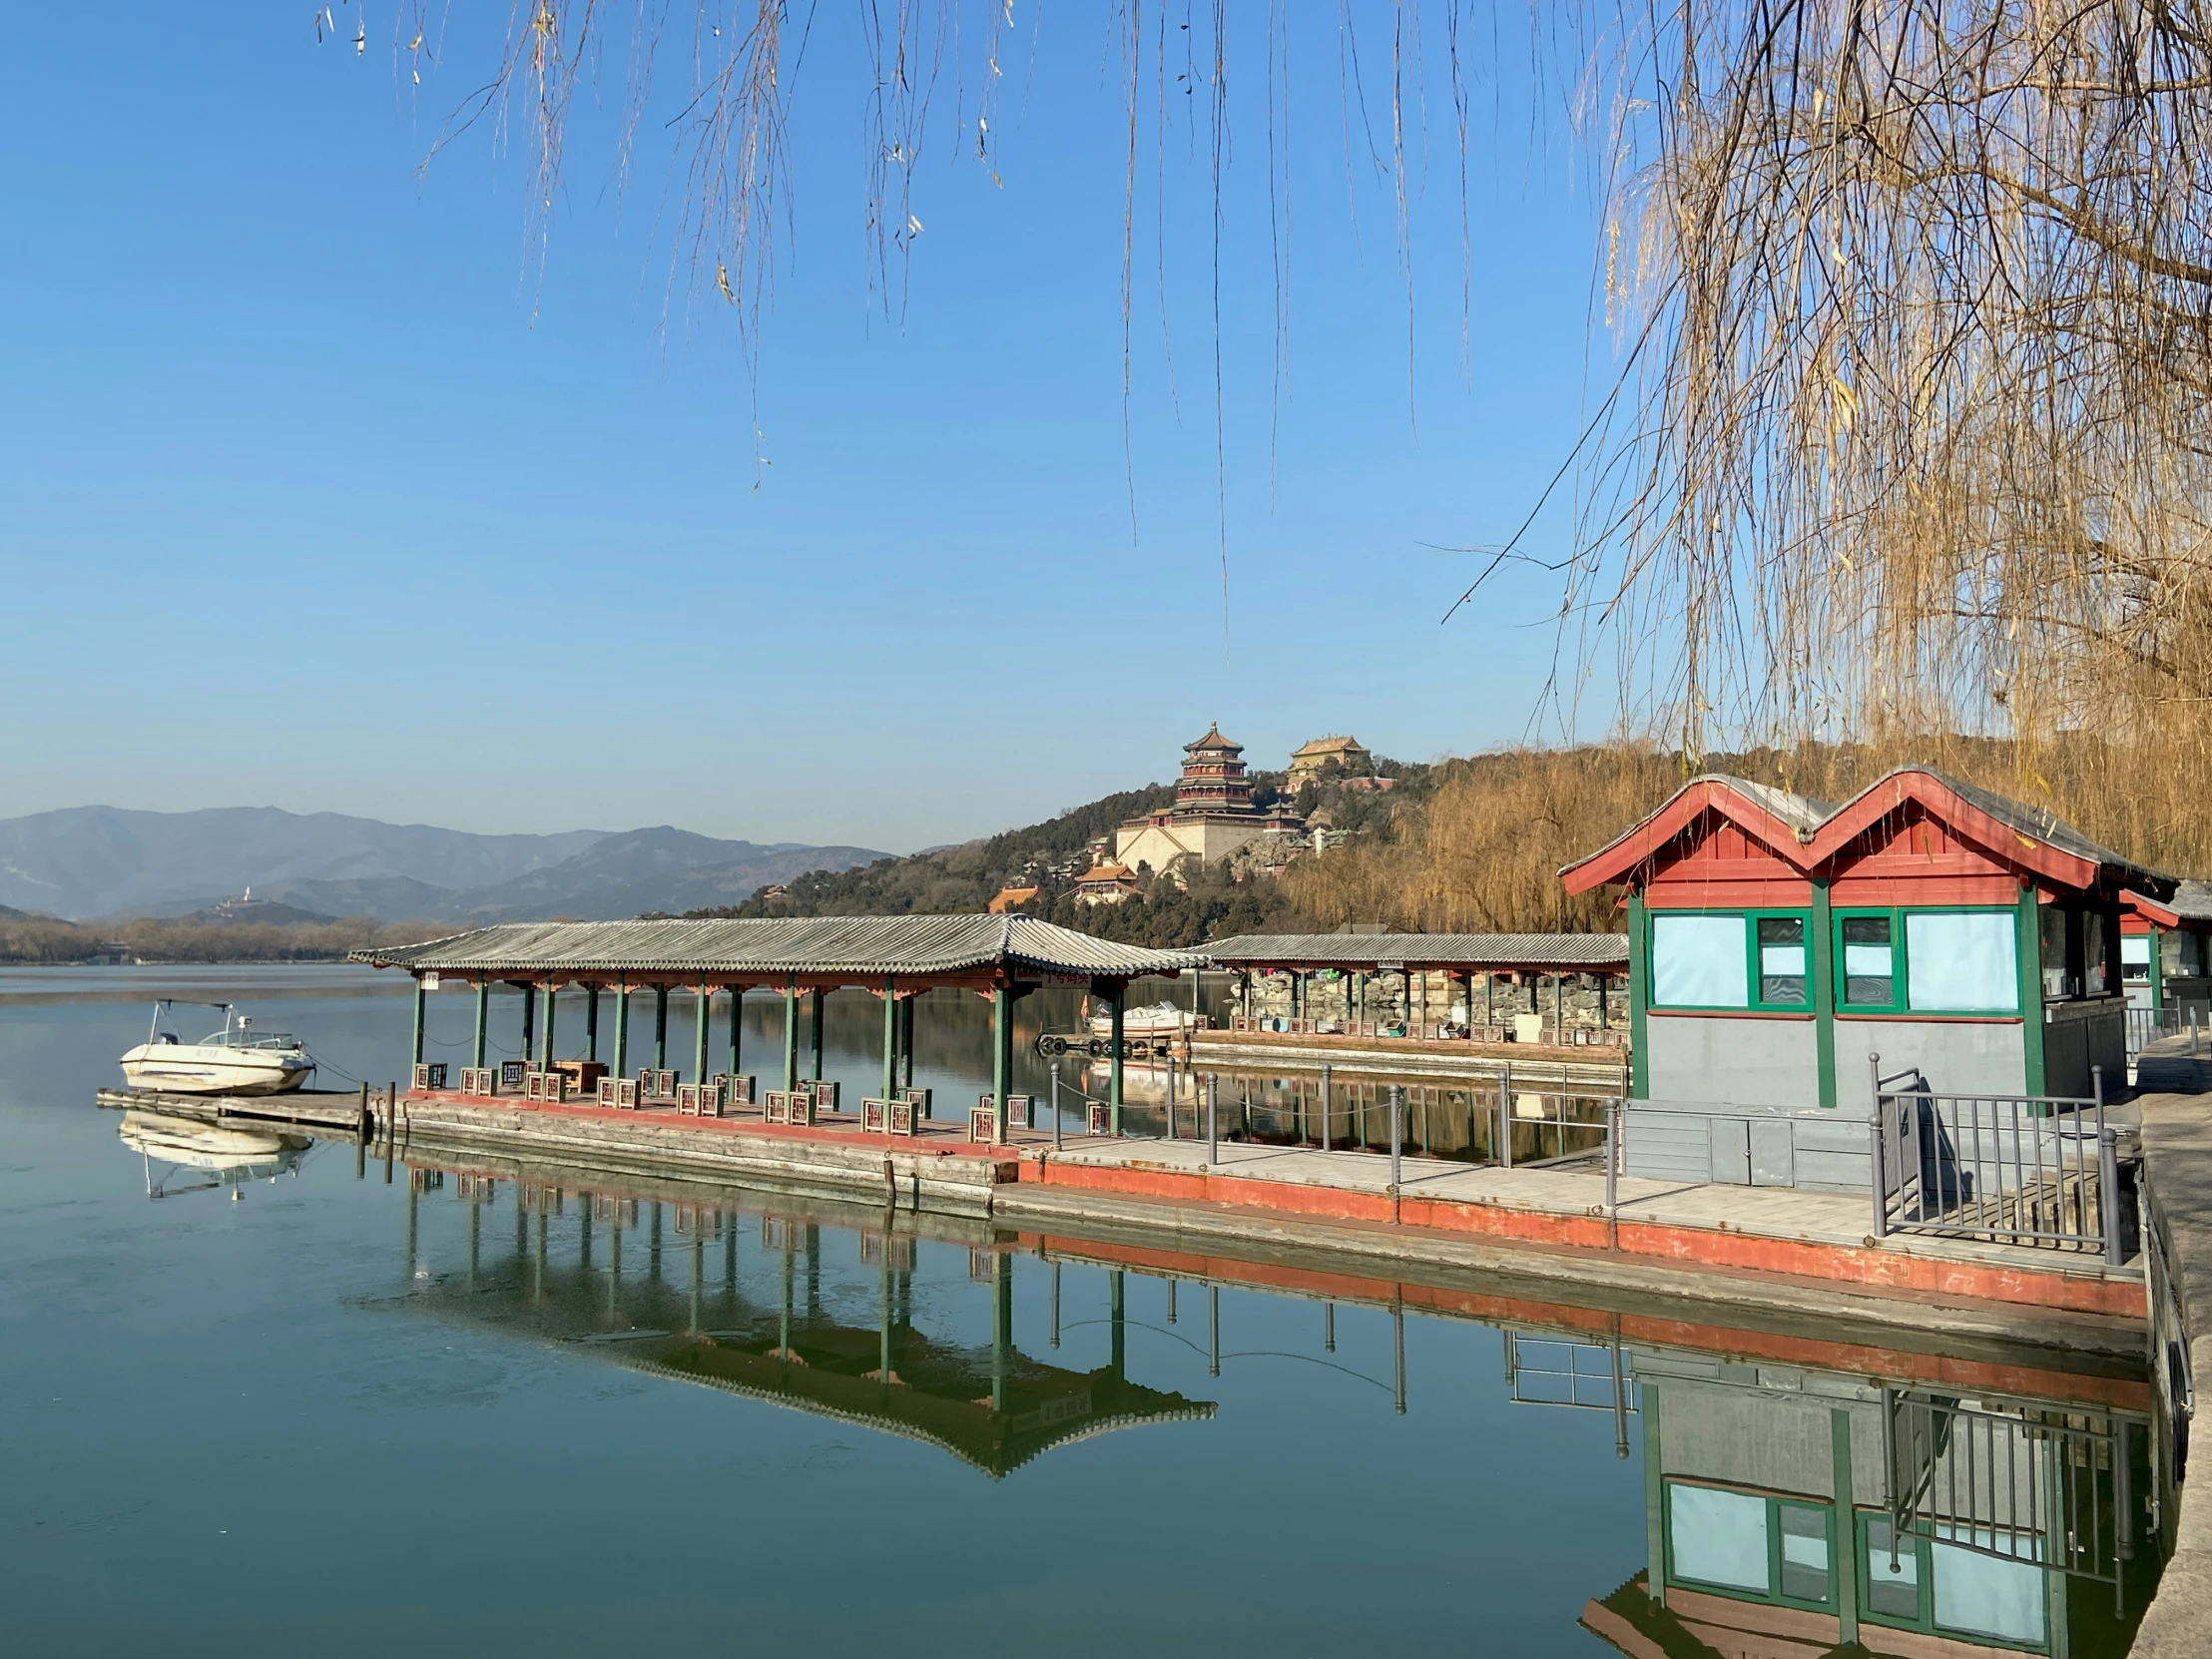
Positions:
{"x": 1697, "y": 963}
{"x": 1719, "y": 1538}
{"x": 1962, "y": 961}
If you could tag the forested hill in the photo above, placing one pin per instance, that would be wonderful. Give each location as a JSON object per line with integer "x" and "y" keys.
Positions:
{"x": 1203, "y": 904}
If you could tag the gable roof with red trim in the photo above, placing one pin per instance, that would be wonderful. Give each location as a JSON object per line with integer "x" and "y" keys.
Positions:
{"x": 1814, "y": 838}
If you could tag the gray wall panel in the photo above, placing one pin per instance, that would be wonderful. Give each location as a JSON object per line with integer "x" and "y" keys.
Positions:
{"x": 1957, "y": 1058}
{"x": 1744, "y": 1062}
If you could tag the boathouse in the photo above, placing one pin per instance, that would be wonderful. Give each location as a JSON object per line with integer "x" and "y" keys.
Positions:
{"x": 893, "y": 958}
{"x": 1777, "y": 941}
{"x": 2167, "y": 954}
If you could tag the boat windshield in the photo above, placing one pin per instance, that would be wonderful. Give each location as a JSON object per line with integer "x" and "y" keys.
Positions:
{"x": 234, "y": 1038}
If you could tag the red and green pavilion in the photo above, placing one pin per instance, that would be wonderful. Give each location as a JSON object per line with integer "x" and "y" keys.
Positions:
{"x": 896, "y": 958}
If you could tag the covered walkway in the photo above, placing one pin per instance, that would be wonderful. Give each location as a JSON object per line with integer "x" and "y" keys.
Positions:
{"x": 893, "y": 958}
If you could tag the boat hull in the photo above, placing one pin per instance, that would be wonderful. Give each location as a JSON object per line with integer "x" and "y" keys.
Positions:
{"x": 190, "y": 1068}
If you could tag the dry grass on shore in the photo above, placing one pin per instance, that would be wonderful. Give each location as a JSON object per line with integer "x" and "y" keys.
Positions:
{"x": 1481, "y": 851}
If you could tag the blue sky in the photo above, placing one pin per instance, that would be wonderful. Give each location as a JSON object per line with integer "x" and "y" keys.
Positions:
{"x": 317, "y": 490}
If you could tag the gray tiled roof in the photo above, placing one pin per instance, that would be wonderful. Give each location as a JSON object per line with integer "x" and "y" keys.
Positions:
{"x": 2192, "y": 901}
{"x": 1457, "y": 950}
{"x": 866, "y": 946}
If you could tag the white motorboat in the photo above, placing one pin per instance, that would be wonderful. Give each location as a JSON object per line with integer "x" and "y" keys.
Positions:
{"x": 1161, "y": 1019}
{"x": 234, "y": 1060}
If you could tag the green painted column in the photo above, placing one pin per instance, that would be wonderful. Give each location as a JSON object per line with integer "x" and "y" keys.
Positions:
{"x": 1820, "y": 949}
{"x": 907, "y": 1041}
{"x": 890, "y": 1046}
{"x": 421, "y": 999}
{"x": 483, "y": 1019}
{"x": 791, "y": 1035}
{"x": 591, "y": 1021}
{"x": 1842, "y": 1529}
{"x": 822, "y": 1001}
{"x": 1118, "y": 1004}
{"x": 2157, "y": 968}
{"x": 1639, "y": 998}
{"x": 622, "y": 1027}
{"x": 545, "y": 1037}
{"x": 529, "y": 1020}
{"x": 699, "y": 1043}
{"x": 1002, "y": 1019}
{"x": 736, "y": 1029}
{"x": 2031, "y": 991}
{"x": 660, "y": 1027}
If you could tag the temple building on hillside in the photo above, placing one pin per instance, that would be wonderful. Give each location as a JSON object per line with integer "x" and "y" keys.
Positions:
{"x": 1213, "y": 815}
{"x": 1308, "y": 760}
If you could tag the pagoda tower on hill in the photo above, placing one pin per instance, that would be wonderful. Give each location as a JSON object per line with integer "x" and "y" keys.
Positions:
{"x": 1213, "y": 815}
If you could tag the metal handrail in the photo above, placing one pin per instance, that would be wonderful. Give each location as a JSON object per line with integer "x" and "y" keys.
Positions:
{"x": 2004, "y": 1168}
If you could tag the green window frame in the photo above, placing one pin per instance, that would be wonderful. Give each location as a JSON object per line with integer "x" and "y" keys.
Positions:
{"x": 1793, "y": 1526}
{"x": 1778, "y": 967}
{"x": 1849, "y": 939}
{"x": 1879, "y": 1597}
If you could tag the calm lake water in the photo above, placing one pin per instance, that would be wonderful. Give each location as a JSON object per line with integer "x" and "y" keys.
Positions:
{"x": 324, "y": 1415}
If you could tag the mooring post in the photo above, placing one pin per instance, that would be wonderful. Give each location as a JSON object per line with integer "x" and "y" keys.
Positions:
{"x": 1055, "y": 1147}
{"x": 361, "y": 1132}
{"x": 421, "y": 999}
{"x": 1613, "y": 1157}
{"x": 1397, "y": 1118}
{"x": 391, "y": 1127}
{"x": 1213, "y": 1120}
{"x": 660, "y": 1028}
{"x": 483, "y": 1017}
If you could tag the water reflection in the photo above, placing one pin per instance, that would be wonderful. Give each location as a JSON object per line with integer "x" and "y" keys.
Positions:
{"x": 1799, "y": 1493}
{"x": 182, "y": 1156}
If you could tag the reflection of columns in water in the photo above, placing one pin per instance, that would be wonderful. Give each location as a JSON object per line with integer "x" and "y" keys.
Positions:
{"x": 653, "y": 1252}
{"x": 813, "y": 1272}
{"x": 1056, "y": 1304}
{"x": 522, "y": 1227}
{"x": 883, "y": 1319}
{"x": 1329, "y": 1326}
{"x": 614, "y": 1255}
{"x": 1398, "y": 1352}
{"x": 583, "y": 1236}
{"x": 1114, "y": 1303}
{"x": 784, "y": 1328}
{"x": 1171, "y": 1300}
{"x": 1213, "y": 1330}
{"x": 698, "y": 1270}
{"x": 730, "y": 1259}
{"x": 414, "y": 1197}
{"x": 475, "y": 1226}
{"x": 1002, "y": 1327}
{"x": 537, "y": 1276}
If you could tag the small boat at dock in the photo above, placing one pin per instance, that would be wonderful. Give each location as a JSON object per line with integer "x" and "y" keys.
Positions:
{"x": 234, "y": 1060}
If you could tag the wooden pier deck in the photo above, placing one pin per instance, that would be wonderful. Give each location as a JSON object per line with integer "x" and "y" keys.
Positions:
{"x": 329, "y": 1109}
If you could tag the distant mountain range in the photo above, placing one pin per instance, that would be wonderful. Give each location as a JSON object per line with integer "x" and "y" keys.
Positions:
{"x": 104, "y": 861}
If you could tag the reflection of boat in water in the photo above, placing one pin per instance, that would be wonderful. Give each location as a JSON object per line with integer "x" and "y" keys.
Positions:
{"x": 226, "y": 1156}
{"x": 234, "y": 1060}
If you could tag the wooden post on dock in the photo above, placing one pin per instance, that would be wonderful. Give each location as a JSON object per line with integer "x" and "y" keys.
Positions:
{"x": 660, "y": 1028}
{"x": 483, "y": 1017}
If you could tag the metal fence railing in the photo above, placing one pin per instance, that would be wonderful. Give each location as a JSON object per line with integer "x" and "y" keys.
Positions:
{"x": 2148, "y": 1025}
{"x": 2008, "y": 1169}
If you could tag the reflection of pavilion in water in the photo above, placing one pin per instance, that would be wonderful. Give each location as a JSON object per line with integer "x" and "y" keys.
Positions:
{"x": 992, "y": 1406}
{"x": 1790, "y": 1511}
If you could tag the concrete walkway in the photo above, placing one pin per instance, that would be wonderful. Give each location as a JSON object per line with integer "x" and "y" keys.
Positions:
{"x": 2177, "y": 1130}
